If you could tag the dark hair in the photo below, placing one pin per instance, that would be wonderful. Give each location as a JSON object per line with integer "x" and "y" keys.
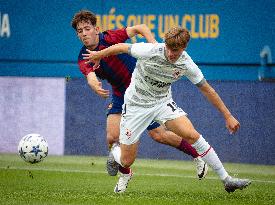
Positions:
{"x": 177, "y": 38}
{"x": 83, "y": 15}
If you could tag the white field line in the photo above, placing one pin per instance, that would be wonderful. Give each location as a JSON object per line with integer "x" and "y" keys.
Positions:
{"x": 102, "y": 172}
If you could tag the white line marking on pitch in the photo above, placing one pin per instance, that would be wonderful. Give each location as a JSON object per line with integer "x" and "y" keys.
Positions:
{"x": 102, "y": 172}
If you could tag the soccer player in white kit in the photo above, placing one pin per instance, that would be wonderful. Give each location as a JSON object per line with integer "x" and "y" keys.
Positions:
{"x": 149, "y": 98}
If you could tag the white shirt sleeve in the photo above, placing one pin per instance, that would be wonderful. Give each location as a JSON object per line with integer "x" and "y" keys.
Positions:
{"x": 141, "y": 50}
{"x": 193, "y": 73}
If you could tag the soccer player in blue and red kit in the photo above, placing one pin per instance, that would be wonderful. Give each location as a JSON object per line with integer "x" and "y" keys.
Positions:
{"x": 117, "y": 70}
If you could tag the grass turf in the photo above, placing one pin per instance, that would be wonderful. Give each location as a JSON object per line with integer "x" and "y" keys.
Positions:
{"x": 83, "y": 180}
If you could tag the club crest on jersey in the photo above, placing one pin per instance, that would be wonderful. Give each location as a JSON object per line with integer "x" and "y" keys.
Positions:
{"x": 128, "y": 133}
{"x": 110, "y": 106}
{"x": 176, "y": 74}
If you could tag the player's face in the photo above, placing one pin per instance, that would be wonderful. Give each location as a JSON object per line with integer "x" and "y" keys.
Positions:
{"x": 173, "y": 54}
{"x": 88, "y": 34}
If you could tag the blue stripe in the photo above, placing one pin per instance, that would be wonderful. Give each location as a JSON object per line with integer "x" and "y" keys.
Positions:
{"x": 129, "y": 62}
{"x": 48, "y": 69}
{"x": 106, "y": 69}
{"x": 40, "y": 69}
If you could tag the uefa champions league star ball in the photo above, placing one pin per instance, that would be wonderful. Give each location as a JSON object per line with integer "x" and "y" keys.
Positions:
{"x": 33, "y": 148}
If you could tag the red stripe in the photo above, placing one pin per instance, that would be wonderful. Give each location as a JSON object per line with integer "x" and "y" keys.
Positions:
{"x": 85, "y": 68}
{"x": 205, "y": 153}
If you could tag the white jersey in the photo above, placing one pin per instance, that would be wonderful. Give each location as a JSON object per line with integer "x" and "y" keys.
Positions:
{"x": 152, "y": 78}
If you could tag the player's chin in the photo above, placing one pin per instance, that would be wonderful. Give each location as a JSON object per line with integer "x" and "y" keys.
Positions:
{"x": 172, "y": 60}
{"x": 87, "y": 43}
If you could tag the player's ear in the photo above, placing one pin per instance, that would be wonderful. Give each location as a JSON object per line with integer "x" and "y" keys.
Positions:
{"x": 97, "y": 29}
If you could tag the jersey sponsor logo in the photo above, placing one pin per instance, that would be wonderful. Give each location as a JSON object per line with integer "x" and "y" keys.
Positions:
{"x": 156, "y": 83}
{"x": 143, "y": 92}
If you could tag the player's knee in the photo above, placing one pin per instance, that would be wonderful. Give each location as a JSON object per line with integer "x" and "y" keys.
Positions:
{"x": 127, "y": 161}
{"x": 192, "y": 137}
{"x": 157, "y": 135}
{"x": 112, "y": 138}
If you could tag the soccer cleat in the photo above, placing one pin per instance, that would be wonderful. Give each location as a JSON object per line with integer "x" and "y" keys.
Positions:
{"x": 122, "y": 183}
{"x": 231, "y": 184}
{"x": 202, "y": 167}
{"x": 111, "y": 165}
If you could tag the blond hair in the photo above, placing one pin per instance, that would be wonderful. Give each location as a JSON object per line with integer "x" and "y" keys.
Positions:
{"x": 177, "y": 38}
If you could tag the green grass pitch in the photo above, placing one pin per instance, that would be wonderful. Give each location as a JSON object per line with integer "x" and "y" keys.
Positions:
{"x": 83, "y": 180}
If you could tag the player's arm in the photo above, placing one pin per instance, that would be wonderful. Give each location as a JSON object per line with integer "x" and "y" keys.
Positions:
{"x": 208, "y": 91}
{"x": 95, "y": 56}
{"x": 143, "y": 30}
{"x": 96, "y": 85}
{"x": 137, "y": 50}
{"x": 88, "y": 71}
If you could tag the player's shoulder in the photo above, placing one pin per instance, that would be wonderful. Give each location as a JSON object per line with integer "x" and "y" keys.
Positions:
{"x": 154, "y": 48}
{"x": 114, "y": 36}
{"x": 144, "y": 49}
{"x": 186, "y": 61}
{"x": 185, "y": 57}
{"x": 114, "y": 31}
{"x": 159, "y": 48}
{"x": 185, "y": 54}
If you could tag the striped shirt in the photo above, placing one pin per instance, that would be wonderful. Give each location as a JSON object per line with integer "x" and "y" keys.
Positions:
{"x": 118, "y": 69}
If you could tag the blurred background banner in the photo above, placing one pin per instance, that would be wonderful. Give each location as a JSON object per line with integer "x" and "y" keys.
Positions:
{"x": 232, "y": 42}
{"x": 32, "y": 105}
{"x": 223, "y": 32}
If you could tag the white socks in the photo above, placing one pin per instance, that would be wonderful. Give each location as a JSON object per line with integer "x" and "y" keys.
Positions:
{"x": 209, "y": 155}
{"x": 116, "y": 153}
{"x": 206, "y": 152}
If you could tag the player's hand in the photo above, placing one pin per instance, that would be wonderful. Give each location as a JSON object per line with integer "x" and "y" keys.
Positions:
{"x": 232, "y": 124}
{"x": 100, "y": 91}
{"x": 92, "y": 57}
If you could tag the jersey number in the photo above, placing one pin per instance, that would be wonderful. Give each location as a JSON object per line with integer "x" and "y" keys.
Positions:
{"x": 124, "y": 111}
{"x": 173, "y": 106}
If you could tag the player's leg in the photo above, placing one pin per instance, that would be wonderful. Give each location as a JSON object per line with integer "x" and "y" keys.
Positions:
{"x": 184, "y": 128}
{"x": 125, "y": 155}
{"x": 112, "y": 130}
{"x": 175, "y": 119}
{"x": 113, "y": 123}
{"x": 160, "y": 134}
{"x": 133, "y": 122}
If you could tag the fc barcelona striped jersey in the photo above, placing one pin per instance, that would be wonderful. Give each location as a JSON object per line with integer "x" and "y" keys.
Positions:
{"x": 117, "y": 70}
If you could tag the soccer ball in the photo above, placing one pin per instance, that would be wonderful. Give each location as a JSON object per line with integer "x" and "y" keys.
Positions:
{"x": 33, "y": 148}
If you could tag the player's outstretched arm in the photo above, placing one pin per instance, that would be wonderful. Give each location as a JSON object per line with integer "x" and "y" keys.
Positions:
{"x": 96, "y": 85}
{"x": 95, "y": 56}
{"x": 232, "y": 123}
{"x": 143, "y": 30}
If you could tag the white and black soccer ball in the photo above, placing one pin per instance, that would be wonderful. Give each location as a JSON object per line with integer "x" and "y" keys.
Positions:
{"x": 33, "y": 148}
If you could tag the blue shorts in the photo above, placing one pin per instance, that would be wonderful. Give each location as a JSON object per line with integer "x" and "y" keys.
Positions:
{"x": 115, "y": 107}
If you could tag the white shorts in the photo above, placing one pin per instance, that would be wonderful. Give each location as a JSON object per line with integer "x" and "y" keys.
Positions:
{"x": 135, "y": 119}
